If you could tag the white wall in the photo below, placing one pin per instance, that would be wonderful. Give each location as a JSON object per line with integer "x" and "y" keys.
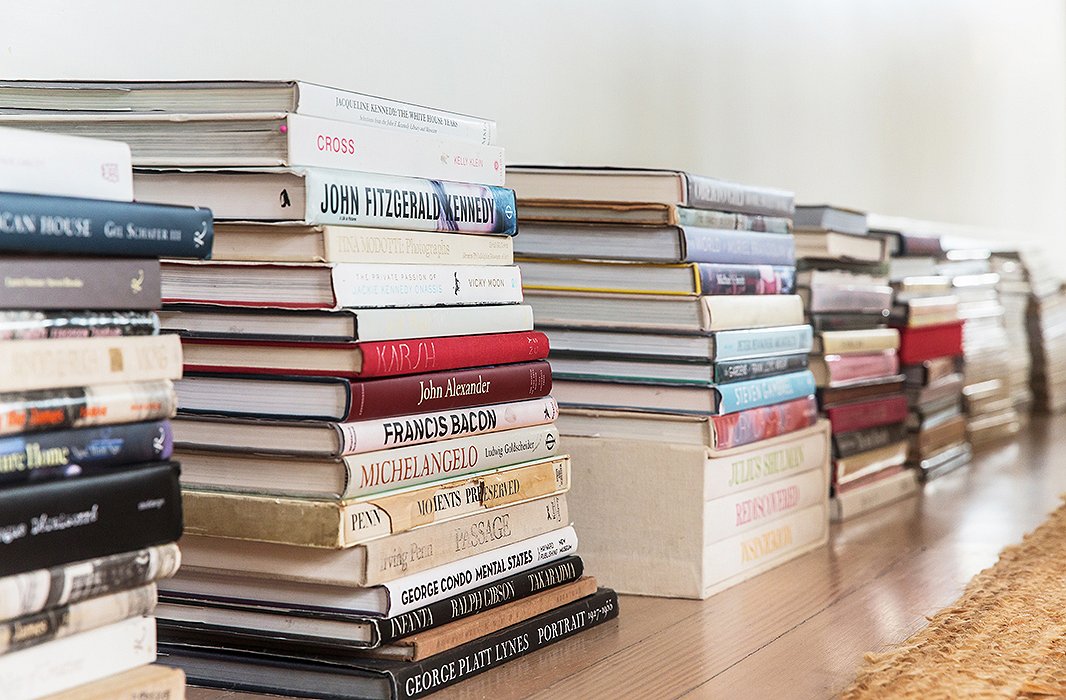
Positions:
{"x": 942, "y": 109}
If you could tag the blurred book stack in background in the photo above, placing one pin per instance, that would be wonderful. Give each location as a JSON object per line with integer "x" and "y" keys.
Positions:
{"x": 681, "y": 364}
{"x": 90, "y": 507}
{"x": 844, "y": 280}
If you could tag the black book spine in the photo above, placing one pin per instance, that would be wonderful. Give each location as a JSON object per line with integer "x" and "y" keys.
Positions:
{"x": 40, "y": 325}
{"x": 848, "y": 444}
{"x": 72, "y": 225}
{"x": 54, "y": 522}
{"x": 60, "y": 282}
{"x": 740, "y": 370}
{"x": 480, "y": 599}
{"x": 68, "y": 453}
{"x": 415, "y": 680}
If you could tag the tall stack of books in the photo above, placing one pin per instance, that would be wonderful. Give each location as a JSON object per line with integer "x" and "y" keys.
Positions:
{"x": 680, "y": 357}
{"x": 374, "y": 489}
{"x": 90, "y": 507}
{"x": 844, "y": 282}
{"x": 1015, "y": 290}
{"x": 925, "y": 310}
{"x": 1046, "y": 322}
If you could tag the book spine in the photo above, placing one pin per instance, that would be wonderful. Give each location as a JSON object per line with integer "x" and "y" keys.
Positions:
{"x": 388, "y": 286}
{"x": 708, "y": 193}
{"x": 732, "y": 515}
{"x": 918, "y": 245}
{"x": 369, "y": 436}
{"x": 398, "y": 396}
{"x": 745, "y": 427}
{"x": 429, "y": 547}
{"x": 50, "y": 283}
{"x": 480, "y": 599}
{"x": 759, "y": 342}
{"x": 706, "y": 245}
{"x": 65, "y": 166}
{"x": 81, "y": 407}
{"x": 855, "y": 442}
{"x": 374, "y": 472}
{"x": 70, "y": 453}
{"x": 56, "y": 623}
{"x": 40, "y": 325}
{"x": 436, "y": 585}
{"x": 393, "y": 324}
{"x": 718, "y": 278}
{"x": 79, "y": 659}
{"x": 70, "y": 225}
{"x": 767, "y": 224}
{"x": 860, "y": 415}
{"x": 759, "y": 465}
{"x": 410, "y": 203}
{"x": 327, "y": 143}
{"x": 72, "y": 362}
{"x": 375, "y": 245}
{"x": 851, "y": 342}
{"x": 757, "y": 368}
{"x": 43, "y": 525}
{"x": 726, "y": 313}
{"x": 754, "y": 393}
{"x": 447, "y": 668}
{"x": 849, "y": 369}
{"x": 398, "y": 357}
{"x": 920, "y": 344}
{"x": 893, "y": 488}
{"x": 707, "y": 218}
{"x": 43, "y": 589}
{"x": 848, "y": 299}
{"x": 346, "y": 106}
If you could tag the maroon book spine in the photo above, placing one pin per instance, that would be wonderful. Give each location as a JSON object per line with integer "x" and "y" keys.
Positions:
{"x": 440, "y": 391}
{"x": 868, "y": 414}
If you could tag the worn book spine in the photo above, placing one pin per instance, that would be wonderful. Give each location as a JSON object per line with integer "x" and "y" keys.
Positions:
{"x": 74, "y": 452}
{"x": 758, "y": 342}
{"x": 754, "y": 393}
{"x": 347, "y": 106}
{"x": 727, "y": 313}
{"x": 72, "y": 362}
{"x": 328, "y": 143}
{"x": 151, "y": 682}
{"x": 480, "y": 599}
{"x": 56, "y": 623}
{"x": 396, "y": 357}
{"x": 707, "y": 245}
{"x": 46, "y": 524}
{"x": 75, "y": 226}
{"x": 757, "y": 368}
{"x": 740, "y": 512}
{"x": 80, "y": 407}
{"x": 399, "y": 286}
{"x": 61, "y": 282}
{"x": 921, "y": 344}
{"x": 717, "y": 278}
{"x": 418, "y": 679}
{"x": 438, "y": 391}
{"x": 66, "y": 584}
{"x": 871, "y": 413}
{"x": 82, "y": 658}
{"x": 336, "y": 524}
{"x": 857, "y": 341}
{"x": 848, "y": 444}
{"x": 381, "y": 201}
{"x": 708, "y": 193}
{"x": 767, "y": 462}
{"x": 376, "y": 245}
{"x": 436, "y": 545}
{"x": 373, "y": 472}
{"x": 755, "y": 424}
{"x": 65, "y": 166}
{"x": 40, "y": 325}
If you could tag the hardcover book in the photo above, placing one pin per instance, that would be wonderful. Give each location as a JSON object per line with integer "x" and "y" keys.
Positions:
{"x": 81, "y": 407}
{"x": 65, "y": 166}
{"x": 62, "y": 282}
{"x": 825, "y": 217}
{"x": 740, "y": 344}
{"x": 39, "y": 325}
{"x": 693, "y": 279}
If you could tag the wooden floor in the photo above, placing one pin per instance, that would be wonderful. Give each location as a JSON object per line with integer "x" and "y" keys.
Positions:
{"x": 800, "y": 630}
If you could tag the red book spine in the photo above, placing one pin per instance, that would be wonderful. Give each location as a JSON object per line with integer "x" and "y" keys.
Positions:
{"x": 439, "y": 391}
{"x": 754, "y": 424}
{"x": 395, "y": 357}
{"x": 921, "y": 344}
{"x": 860, "y": 415}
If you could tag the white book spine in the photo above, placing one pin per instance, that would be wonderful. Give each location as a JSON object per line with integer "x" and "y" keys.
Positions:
{"x": 343, "y": 105}
{"x": 68, "y": 166}
{"x": 328, "y": 143}
{"x": 867, "y": 498}
{"x": 347, "y": 244}
{"x": 731, "y": 515}
{"x": 401, "y": 324}
{"x": 81, "y": 658}
{"x": 373, "y": 435}
{"x": 384, "y": 470}
{"x": 386, "y": 286}
{"x": 765, "y": 463}
{"x": 418, "y": 590}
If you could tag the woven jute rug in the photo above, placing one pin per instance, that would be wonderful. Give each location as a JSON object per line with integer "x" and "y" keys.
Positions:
{"x": 1004, "y": 638}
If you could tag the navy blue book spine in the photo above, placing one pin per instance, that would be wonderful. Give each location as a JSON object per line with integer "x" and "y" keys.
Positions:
{"x": 714, "y": 245}
{"x": 72, "y": 225}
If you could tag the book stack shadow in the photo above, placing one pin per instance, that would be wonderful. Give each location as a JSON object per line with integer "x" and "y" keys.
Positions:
{"x": 845, "y": 287}
{"x": 374, "y": 488}
{"x": 90, "y": 506}
{"x": 681, "y": 368}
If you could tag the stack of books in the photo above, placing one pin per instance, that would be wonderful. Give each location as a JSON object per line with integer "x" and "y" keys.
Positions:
{"x": 680, "y": 357}
{"x": 844, "y": 282}
{"x": 1046, "y": 321}
{"x": 925, "y": 310}
{"x": 90, "y": 507}
{"x": 374, "y": 488}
